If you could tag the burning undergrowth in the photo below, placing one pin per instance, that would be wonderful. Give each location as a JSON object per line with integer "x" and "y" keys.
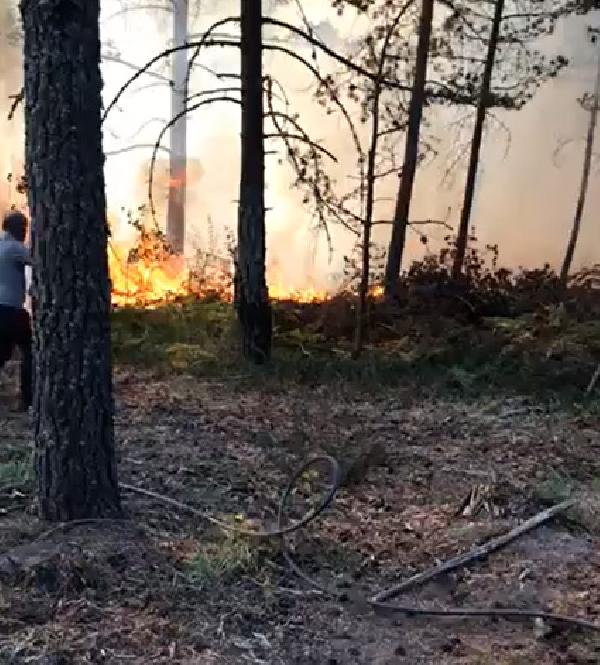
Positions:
{"x": 147, "y": 273}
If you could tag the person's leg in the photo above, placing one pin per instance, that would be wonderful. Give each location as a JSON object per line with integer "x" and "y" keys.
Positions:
{"x": 6, "y": 335}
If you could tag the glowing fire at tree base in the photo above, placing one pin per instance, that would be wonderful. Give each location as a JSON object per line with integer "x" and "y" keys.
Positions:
{"x": 148, "y": 275}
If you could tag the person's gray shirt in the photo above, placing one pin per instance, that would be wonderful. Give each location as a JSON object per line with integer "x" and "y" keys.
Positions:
{"x": 14, "y": 256}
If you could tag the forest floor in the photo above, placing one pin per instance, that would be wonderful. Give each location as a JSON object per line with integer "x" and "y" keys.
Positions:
{"x": 166, "y": 587}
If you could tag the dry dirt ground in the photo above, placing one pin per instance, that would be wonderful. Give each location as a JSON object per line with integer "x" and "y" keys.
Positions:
{"x": 164, "y": 587}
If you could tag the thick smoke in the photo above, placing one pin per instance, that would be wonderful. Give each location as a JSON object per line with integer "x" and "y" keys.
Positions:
{"x": 525, "y": 198}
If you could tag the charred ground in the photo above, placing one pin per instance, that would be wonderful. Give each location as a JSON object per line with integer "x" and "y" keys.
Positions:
{"x": 438, "y": 406}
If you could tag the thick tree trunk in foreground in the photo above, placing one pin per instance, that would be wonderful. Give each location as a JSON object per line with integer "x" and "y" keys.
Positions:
{"x": 76, "y": 474}
{"x": 178, "y": 155}
{"x": 585, "y": 178}
{"x": 465, "y": 216}
{"x": 411, "y": 153}
{"x": 252, "y": 298}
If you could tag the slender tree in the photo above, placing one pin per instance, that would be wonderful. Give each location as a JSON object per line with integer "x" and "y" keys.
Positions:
{"x": 370, "y": 181}
{"x": 482, "y": 106}
{"x": 454, "y": 70}
{"x": 252, "y": 297}
{"x": 594, "y": 106}
{"x": 178, "y": 154}
{"x": 411, "y": 152}
{"x": 76, "y": 475}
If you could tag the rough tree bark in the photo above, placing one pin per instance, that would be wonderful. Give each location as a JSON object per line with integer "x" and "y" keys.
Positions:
{"x": 411, "y": 154}
{"x": 465, "y": 216}
{"x": 252, "y": 298}
{"x": 76, "y": 475}
{"x": 585, "y": 178}
{"x": 178, "y": 155}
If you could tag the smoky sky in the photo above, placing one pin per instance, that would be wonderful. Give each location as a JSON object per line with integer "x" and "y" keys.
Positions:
{"x": 525, "y": 195}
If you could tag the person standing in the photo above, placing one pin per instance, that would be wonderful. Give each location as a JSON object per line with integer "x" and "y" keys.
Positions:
{"x": 15, "y": 322}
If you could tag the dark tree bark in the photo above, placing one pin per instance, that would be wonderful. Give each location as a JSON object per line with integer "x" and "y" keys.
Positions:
{"x": 411, "y": 154}
{"x": 585, "y": 179}
{"x": 178, "y": 154}
{"x": 465, "y": 216}
{"x": 76, "y": 475}
{"x": 252, "y": 298}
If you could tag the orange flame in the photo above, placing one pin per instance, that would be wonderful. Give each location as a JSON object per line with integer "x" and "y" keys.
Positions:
{"x": 177, "y": 181}
{"x": 147, "y": 275}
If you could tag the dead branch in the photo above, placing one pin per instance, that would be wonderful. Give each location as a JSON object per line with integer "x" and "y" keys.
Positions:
{"x": 275, "y": 119}
{"x": 107, "y": 57}
{"x": 593, "y": 381}
{"x": 214, "y": 91}
{"x": 17, "y": 99}
{"x": 164, "y": 130}
{"x": 476, "y": 554}
{"x": 137, "y": 146}
{"x": 300, "y": 137}
{"x": 146, "y": 7}
{"x": 280, "y": 530}
{"x": 204, "y": 41}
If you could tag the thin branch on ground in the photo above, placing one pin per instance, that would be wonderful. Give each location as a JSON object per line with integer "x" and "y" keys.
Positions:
{"x": 476, "y": 554}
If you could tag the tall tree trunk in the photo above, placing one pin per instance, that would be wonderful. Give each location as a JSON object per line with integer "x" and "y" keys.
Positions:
{"x": 76, "y": 475}
{"x": 363, "y": 288}
{"x": 253, "y": 308}
{"x": 178, "y": 155}
{"x": 411, "y": 154}
{"x": 585, "y": 178}
{"x": 465, "y": 216}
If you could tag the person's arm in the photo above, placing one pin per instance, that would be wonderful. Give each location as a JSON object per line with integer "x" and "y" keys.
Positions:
{"x": 21, "y": 254}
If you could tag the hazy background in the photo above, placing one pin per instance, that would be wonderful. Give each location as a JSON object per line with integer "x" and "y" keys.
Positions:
{"x": 525, "y": 197}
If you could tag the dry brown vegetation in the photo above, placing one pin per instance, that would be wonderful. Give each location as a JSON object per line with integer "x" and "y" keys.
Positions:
{"x": 167, "y": 588}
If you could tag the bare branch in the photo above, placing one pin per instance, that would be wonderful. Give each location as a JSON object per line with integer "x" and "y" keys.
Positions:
{"x": 106, "y": 57}
{"x": 17, "y": 99}
{"x": 298, "y": 137}
{"x": 164, "y": 130}
{"x": 137, "y": 146}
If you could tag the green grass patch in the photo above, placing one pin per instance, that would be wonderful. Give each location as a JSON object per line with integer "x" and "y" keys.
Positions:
{"x": 16, "y": 472}
{"x": 545, "y": 354}
{"x": 230, "y": 557}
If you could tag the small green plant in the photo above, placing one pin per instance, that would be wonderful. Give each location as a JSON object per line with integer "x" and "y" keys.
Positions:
{"x": 229, "y": 557}
{"x": 557, "y": 487}
{"x": 16, "y": 473}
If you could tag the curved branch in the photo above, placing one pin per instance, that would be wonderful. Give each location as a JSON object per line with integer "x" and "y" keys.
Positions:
{"x": 233, "y": 43}
{"x": 160, "y": 56}
{"x": 201, "y": 43}
{"x": 106, "y": 57}
{"x": 137, "y": 146}
{"x": 138, "y": 131}
{"x": 127, "y": 10}
{"x": 213, "y": 91}
{"x": 164, "y": 130}
{"x": 302, "y": 136}
{"x": 333, "y": 96}
{"x": 267, "y": 21}
{"x": 16, "y": 101}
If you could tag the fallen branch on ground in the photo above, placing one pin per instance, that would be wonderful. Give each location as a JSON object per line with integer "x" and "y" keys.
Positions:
{"x": 593, "y": 381}
{"x": 474, "y": 555}
{"x": 378, "y": 606}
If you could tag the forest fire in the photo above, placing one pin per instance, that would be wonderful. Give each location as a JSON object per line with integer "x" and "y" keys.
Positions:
{"x": 143, "y": 280}
{"x": 148, "y": 275}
